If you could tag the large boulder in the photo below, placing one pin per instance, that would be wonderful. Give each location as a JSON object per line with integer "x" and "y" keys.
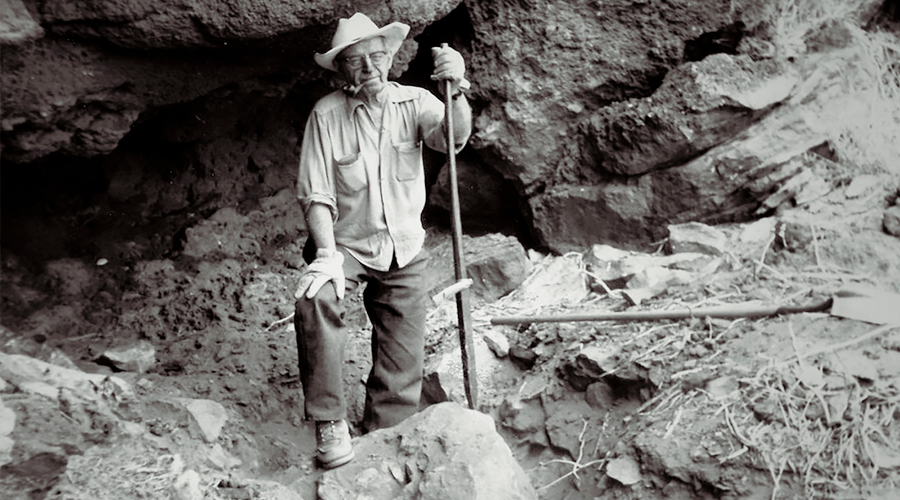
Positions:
{"x": 756, "y": 154}
{"x": 544, "y": 67}
{"x": 445, "y": 452}
{"x": 497, "y": 264}
{"x": 698, "y": 106}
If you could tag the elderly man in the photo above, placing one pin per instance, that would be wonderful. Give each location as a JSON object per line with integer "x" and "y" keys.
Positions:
{"x": 362, "y": 187}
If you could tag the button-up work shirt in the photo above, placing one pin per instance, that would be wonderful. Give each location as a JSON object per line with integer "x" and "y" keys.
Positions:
{"x": 370, "y": 174}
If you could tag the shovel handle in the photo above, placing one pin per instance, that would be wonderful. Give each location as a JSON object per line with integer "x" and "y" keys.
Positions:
{"x": 738, "y": 311}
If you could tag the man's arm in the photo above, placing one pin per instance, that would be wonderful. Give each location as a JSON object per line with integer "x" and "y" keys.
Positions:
{"x": 320, "y": 224}
{"x": 328, "y": 265}
{"x": 462, "y": 117}
{"x": 449, "y": 66}
{"x": 316, "y": 193}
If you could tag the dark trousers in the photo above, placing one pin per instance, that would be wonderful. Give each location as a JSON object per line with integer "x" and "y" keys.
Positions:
{"x": 395, "y": 303}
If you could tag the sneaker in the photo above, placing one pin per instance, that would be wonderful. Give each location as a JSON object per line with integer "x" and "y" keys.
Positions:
{"x": 333, "y": 447}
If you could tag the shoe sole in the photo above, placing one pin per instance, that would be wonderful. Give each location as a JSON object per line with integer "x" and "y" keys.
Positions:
{"x": 337, "y": 462}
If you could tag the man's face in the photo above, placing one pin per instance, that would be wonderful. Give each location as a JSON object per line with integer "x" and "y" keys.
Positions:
{"x": 366, "y": 65}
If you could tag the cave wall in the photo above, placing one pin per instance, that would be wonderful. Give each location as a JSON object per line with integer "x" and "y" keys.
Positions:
{"x": 121, "y": 119}
{"x": 167, "y": 111}
{"x": 541, "y": 67}
{"x": 90, "y": 69}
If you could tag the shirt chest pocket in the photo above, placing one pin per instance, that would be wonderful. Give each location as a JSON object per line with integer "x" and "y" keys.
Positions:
{"x": 350, "y": 174}
{"x": 409, "y": 160}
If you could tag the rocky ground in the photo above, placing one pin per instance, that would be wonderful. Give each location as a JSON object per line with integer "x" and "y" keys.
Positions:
{"x": 187, "y": 382}
{"x": 146, "y": 342}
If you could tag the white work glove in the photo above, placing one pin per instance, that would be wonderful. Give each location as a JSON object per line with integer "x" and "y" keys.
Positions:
{"x": 449, "y": 65}
{"x": 328, "y": 266}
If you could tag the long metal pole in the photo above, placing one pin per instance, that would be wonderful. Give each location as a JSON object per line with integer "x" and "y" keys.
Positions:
{"x": 730, "y": 311}
{"x": 466, "y": 342}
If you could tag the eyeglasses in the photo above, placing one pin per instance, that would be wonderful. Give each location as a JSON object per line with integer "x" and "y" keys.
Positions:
{"x": 356, "y": 62}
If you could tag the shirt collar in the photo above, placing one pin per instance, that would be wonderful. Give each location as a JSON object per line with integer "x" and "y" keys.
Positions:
{"x": 396, "y": 93}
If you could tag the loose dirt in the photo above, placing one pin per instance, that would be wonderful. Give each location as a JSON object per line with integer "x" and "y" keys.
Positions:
{"x": 706, "y": 408}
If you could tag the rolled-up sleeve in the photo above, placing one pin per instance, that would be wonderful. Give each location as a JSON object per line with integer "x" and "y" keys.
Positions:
{"x": 315, "y": 181}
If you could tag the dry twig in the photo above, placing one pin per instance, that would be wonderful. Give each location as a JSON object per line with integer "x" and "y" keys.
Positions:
{"x": 577, "y": 466}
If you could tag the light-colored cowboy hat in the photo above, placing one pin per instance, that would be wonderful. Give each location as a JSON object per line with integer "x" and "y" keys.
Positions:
{"x": 359, "y": 27}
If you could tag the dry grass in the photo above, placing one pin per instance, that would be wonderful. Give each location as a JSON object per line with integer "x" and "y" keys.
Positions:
{"x": 833, "y": 440}
{"x": 830, "y": 452}
{"x": 873, "y": 143}
{"x": 103, "y": 474}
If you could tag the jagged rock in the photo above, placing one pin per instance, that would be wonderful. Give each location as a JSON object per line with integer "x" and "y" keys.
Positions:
{"x": 187, "y": 486}
{"x": 645, "y": 275}
{"x": 16, "y": 23}
{"x": 138, "y": 357}
{"x": 861, "y": 184}
{"x": 523, "y": 357}
{"x": 45, "y": 378}
{"x": 569, "y": 218}
{"x": 610, "y": 263}
{"x": 451, "y": 482}
{"x": 497, "y": 342}
{"x": 625, "y": 470}
{"x": 524, "y": 417}
{"x": 891, "y": 221}
{"x": 426, "y": 451}
{"x": 112, "y": 75}
{"x": 566, "y": 418}
{"x": 754, "y": 237}
{"x": 490, "y": 371}
{"x": 599, "y": 395}
{"x": 728, "y": 182}
{"x": 209, "y": 416}
{"x": 800, "y": 181}
{"x": 659, "y": 278}
{"x": 501, "y": 270}
{"x": 7, "y": 424}
{"x": 597, "y": 362}
{"x": 7, "y": 419}
{"x": 497, "y": 265}
{"x": 554, "y": 281}
{"x": 60, "y": 358}
{"x": 589, "y": 366}
{"x": 696, "y": 237}
{"x": 539, "y": 99}
{"x": 173, "y": 25}
{"x": 221, "y": 459}
{"x": 698, "y": 106}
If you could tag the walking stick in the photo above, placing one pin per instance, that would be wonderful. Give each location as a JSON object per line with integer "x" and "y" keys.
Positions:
{"x": 466, "y": 342}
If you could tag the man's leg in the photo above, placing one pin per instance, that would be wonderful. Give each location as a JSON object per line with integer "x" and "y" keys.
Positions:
{"x": 321, "y": 338}
{"x": 395, "y": 302}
